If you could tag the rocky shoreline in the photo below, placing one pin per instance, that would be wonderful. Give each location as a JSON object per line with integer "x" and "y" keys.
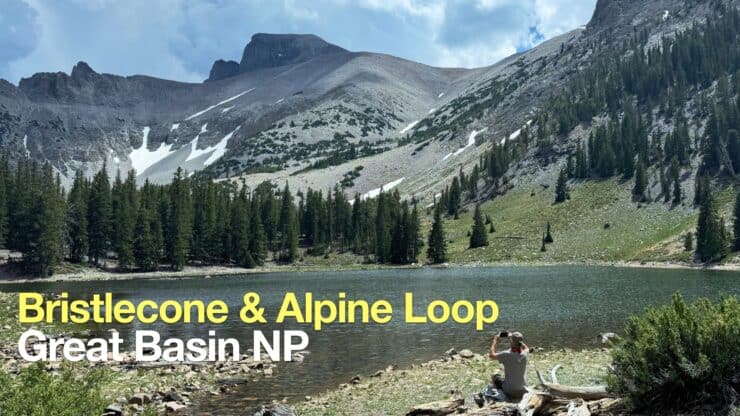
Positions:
{"x": 92, "y": 274}
{"x": 448, "y": 381}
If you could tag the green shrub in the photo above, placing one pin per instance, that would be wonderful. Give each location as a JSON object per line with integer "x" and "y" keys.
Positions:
{"x": 37, "y": 392}
{"x": 680, "y": 356}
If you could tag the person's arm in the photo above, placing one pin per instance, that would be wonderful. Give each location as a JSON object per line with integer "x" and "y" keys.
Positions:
{"x": 525, "y": 348}
{"x": 492, "y": 352}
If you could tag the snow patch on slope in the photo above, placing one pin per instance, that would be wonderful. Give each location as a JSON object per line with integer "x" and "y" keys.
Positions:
{"x": 216, "y": 151}
{"x": 142, "y": 158}
{"x": 471, "y": 141}
{"x": 25, "y": 145}
{"x": 220, "y": 148}
{"x": 516, "y": 134}
{"x": 200, "y": 113}
{"x": 409, "y": 127}
{"x": 227, "y": 109}
{"x": 385, "y": 188}
{"x": 175, "y": 126}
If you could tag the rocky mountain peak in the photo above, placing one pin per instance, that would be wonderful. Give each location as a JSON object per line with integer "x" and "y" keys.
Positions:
{"x": 223, "y": 69}
{"x": 608, "y": 9}
{"x": 82, "y": 71}
{"x": 270, "y": 50}
{"x": 267, "y": 50}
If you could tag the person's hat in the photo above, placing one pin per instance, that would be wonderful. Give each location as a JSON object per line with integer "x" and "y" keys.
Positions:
{"x": 517, "y": 338}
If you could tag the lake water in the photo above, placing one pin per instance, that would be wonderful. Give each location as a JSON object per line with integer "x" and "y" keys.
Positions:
{"x": 564, "y": 306}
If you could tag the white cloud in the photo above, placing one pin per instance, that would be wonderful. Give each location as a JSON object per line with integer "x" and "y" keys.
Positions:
{"x": 299, "y": 13}
{"x": 475, "y": 55}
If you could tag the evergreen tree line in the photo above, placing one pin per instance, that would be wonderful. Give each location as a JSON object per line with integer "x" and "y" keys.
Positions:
{"x": 630, "y": 83}
{"x": 192, "y": 220}
{"x": 713, "y": 240}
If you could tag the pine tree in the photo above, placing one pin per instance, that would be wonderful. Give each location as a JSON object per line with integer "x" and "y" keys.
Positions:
{"x": 123, "y": 205}
{"x": 677, "y": 193}
{"x": 257, "y": 240}
{"x": 582, "y": 166}
{"x": 287, "y": 225}
{"x": 413, "y": 238}
{"x": 382, "y": 229}
{"x": 736, "y": 223}
{"x": 688, "y": 241}
{"x": 665, "y": 185}
{"x": 148, "y": 239}
{"x": 437, "y": 244}
{"x": 548, "y": 235}
{"x": 711, "y": 242}
{"x": 179, "y": 224}
{"x": 399, "y": 243}
{"x": 99, "y": 217}
{"x": 77, "y": 227}
{"x": 478, "y": 237}
{"x": 543, "y": 247}
{"x": 146, "y": 251}
{"x": 640, "y": 180}
{"x": 453, "y": 202}
{"x": 561, "y": 189}
{"x": 46, "y": 246}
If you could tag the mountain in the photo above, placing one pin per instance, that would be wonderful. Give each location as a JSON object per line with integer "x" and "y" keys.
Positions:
{"x": 85, "y": 119}
{"x": 298, "y": 108}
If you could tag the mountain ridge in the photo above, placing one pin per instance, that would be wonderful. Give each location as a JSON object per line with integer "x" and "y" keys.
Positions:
{"x": 321, "y": 101}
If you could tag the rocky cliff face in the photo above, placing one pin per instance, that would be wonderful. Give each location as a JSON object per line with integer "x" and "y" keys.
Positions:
{"x": 274, "y": 50}
{"x": 223, "y": 69}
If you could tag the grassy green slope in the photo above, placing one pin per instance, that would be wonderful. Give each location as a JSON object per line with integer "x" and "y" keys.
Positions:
{"x": 649, "y": 232}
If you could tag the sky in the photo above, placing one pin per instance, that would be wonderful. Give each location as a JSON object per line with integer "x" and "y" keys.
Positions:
{"x": 180, "y": 39}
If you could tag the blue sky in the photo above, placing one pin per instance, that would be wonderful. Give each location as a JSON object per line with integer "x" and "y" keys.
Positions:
{"x": 180, "y": 39}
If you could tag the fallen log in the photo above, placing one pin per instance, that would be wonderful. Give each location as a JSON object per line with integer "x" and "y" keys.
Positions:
{"x": 587, "y": 393}
{"x": 496, "y": 409}
{"x": 438, "y": 408}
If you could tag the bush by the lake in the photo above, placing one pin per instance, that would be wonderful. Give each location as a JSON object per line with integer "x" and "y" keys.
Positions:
{"x": 680, "y": 356}
{"x": 37, "y": 392}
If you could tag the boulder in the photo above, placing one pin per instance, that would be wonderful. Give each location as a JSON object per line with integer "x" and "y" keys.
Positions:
{"x": 172, "y": 396}
{"x": 174, "y": 407}
{"x": 113, "y": 410}
{"x": 467, "y": 354}
{"x": 608, "y": 338}
{"x": 140, "y": 399}
{"x": 275, "y": 410}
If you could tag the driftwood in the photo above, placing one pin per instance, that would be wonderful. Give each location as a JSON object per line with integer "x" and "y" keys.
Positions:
{"x": 541, "y": 403}
{"x": 554, "y": 375}
{"x": 573, "y": 392}
{"x": 438, "y": 408}
{"x": 577, "y": 392}
{"x": 496, "y": 409}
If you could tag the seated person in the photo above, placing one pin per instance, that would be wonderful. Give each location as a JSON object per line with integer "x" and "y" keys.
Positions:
{"x": 514, "y": 360}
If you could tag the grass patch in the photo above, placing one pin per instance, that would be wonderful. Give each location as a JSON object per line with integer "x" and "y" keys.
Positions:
{"x": 579, "y": 227}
